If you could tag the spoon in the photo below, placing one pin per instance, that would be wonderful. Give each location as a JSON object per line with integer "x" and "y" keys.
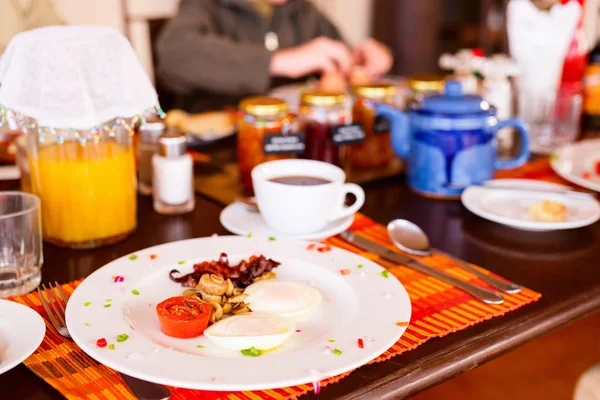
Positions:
{"x": 410, "y": 238}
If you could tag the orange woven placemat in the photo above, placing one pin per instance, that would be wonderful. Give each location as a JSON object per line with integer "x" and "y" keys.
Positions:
{"x": 438, "y": 309}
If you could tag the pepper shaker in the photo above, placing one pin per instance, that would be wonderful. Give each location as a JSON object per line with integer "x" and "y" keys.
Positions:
{"x": 147, "y": 147}
{"x": 173, "y": 175}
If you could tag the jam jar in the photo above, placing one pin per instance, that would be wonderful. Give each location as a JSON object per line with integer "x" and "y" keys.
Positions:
{"x": 263, "y": 123}
{"x": 422, "y": 85}
{"x": 321, "y": 115}
{"x": 376, "y": 150}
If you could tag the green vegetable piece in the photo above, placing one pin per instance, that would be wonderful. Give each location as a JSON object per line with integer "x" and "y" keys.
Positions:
{"x": 251, "y": 352}
{"x": 122, "y": 337}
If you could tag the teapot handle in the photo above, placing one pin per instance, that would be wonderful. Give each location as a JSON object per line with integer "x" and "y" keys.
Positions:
{"x": 399, "y": 131}
{"x": 524, "y": 154}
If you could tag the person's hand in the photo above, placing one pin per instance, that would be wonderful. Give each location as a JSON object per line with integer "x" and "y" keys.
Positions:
{"x": 374, "y": 56}
{"x": 319, "y": 55}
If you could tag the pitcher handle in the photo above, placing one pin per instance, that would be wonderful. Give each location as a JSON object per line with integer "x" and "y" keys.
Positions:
{"x": 399, "y": 128}
{"x": 523, "y": 156}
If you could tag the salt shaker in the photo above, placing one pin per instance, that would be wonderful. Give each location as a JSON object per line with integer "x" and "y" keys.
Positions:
{"x": 173, "y": 175}
{"x": 147, "y": 147}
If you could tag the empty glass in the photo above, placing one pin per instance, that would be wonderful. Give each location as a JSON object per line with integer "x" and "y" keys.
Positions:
{"x": 553, "y": 120}
{"x": 20, "y": 243}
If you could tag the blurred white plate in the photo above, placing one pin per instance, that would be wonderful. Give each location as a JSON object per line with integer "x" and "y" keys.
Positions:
{"x": 510, "y": 207}
{"x": 574, "y": 161}
{"x": 21, "y": 332}
{"x": 9, "y": 173}
{"x": 238, "y": 219}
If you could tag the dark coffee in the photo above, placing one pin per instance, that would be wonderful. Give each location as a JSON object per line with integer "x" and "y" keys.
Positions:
{"x": 300, "y": 180}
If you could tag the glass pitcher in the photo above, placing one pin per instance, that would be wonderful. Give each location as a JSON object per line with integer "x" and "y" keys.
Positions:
{"x": 86, "y": 180}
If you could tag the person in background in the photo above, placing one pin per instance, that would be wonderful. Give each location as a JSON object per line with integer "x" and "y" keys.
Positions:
{"x": 21, "y": 15}
{"x": 216, "y": 52}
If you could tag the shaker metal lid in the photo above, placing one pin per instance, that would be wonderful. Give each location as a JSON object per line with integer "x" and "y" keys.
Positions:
{"x": 151, "y": 131}
{"x": 172, "y": 143}
{"x": 454, "y": 102}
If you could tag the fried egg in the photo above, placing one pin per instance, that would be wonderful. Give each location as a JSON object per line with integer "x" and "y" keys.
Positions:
{"x": 283, "y": 298}
{"x": 244, "y": 331}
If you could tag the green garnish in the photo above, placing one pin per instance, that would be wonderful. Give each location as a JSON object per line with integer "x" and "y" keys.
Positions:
{"x": 108, "y": 300}
{"x": 272, "y": 238}
{"x": 106, "y": 305}
{"x": 385, "y": 274}
{"x": 111, "y": 346}
{"x": 337, "y": 352}
{"x": 200, "y": 346}
{"x": 133, "y": 257}
{"x": 553, "y": 157}
{"x": 251, "y": 352}
{"x": 360, "y": 266}
{"x": 86, "y": 324}
{"x": 136, "y": 292}
{"x": 181, "y": 262}
{"x": 249, "y": 235}
{"x": 331, "y": 341}
{"x": 122, "y": 337}
{"x": 87, "y": 303}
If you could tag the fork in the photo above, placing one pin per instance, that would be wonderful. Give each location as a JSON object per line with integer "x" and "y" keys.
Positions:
{"x": 141, "y": 389}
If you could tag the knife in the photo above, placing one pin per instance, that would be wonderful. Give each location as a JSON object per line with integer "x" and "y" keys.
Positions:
{"x": 146, "y": 390}
{"x": 485, "y": 295}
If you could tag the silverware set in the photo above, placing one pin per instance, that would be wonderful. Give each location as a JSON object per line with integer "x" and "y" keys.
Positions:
{"x": 54, "y": 302}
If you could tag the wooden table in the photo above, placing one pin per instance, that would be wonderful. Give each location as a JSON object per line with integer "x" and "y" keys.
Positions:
{"x": 563, "y": 266}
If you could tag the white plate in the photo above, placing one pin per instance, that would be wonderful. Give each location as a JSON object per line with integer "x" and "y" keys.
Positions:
{"x": 574, "y": 160}
{"x": 236, "y": 218}
{"x": 362, "y": 304}
{"x": 21, "y": 332}
{"x": 509, "y": 207}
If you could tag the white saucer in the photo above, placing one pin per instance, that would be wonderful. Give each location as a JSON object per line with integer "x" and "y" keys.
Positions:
{"x": 238, "y": 219}
{"x": 21, "y": 332}
{"x": 509, "y": 207}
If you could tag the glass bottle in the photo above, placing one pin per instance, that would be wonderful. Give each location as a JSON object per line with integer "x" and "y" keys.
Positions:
{"x": 263, "y": 119}
{"x": 376, "y": 150}
{"x": 146, "y": 148}
{"x": 321, "y": 115}
{"x": 421, "y": 85}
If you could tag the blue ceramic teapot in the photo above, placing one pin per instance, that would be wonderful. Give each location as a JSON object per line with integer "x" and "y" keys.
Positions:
{"x": 449, "y": 142}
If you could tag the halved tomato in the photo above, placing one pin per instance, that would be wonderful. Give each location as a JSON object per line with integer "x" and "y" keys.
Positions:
{"x": 183, "y": 317}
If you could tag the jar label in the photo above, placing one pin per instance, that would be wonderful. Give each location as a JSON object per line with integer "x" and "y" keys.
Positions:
{"x": 381, "y": 125}
{"x": 291, "y": 143}
{"x": 347, "y": 134}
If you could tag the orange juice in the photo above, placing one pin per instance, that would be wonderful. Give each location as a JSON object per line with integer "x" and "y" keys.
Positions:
{"x": 88, "y": 192}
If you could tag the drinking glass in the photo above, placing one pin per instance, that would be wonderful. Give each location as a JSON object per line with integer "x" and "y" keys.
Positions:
{"x": 20, "y": 243}
{"x": 553, "y": 119}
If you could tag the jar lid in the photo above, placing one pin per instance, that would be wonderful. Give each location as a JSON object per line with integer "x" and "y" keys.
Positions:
{"x": 375, "y": 90}
{"x": 262, "y": 106}
{"x": 454, "y": 102}
{"x": 319, "y": 98}
{"x": 426, "y": 82}
{"x": 172, "y": 143}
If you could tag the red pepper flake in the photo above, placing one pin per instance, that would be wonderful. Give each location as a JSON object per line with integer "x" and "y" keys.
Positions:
{"x": 118, "y": 279}
{"x": 310, "y": 246}
{"x": 345, "y": 271}
{"x": 153, "y": 256}
{"x": 101, "y": 343}
{"x": 324, "y": 249}
{"x": 586, "y": 175}
{"x": 401, "y": 323}
{"x": 361, "y": 344}
{"x": 598, "y": 168}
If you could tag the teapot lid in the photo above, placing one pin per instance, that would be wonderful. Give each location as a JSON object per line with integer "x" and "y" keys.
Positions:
{"x": 454, "y": 102}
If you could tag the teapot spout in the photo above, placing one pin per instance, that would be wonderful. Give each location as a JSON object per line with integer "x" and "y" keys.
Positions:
{"x": 399, "y": 128}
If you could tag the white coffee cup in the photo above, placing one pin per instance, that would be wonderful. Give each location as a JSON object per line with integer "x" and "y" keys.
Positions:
{"x": 298, "y": 209}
